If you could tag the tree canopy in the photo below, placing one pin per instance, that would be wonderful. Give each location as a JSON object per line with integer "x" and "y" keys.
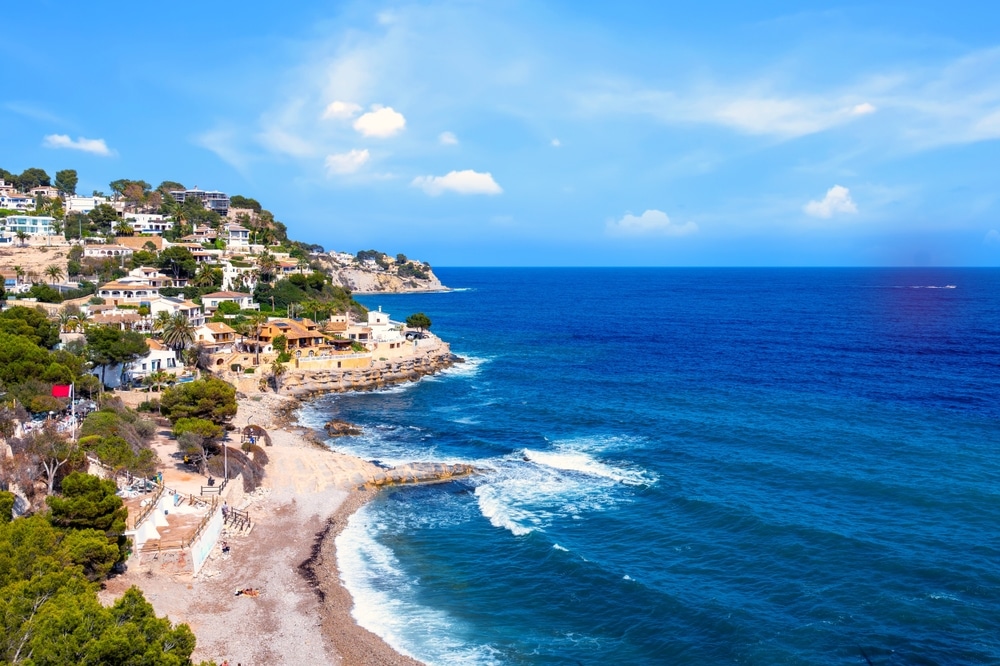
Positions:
{"x": 418, "y": 320}
{"x": 66, "y": 181}
{"x": 32, "y": 324}
{"x": 50, "y": 614}
{"x": 178, "y": 262}
{"x": 211, "y": 398}
{"x": 107, "y": 346}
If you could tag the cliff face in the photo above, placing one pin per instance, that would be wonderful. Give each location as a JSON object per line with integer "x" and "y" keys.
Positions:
{"x": 361, "y": 279}
{"x": 305, "y": 383}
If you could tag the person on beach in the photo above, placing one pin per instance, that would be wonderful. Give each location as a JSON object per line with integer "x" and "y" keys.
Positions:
{"x": 225, "y": 510}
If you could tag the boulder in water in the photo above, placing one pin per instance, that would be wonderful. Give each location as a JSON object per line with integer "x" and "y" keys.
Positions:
{"x": 340, "y": 428}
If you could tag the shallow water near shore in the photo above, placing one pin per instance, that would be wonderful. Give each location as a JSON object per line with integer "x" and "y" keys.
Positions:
{"x": 690, "y": 466}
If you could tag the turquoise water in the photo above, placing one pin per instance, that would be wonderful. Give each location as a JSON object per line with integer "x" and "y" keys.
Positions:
{"x": 690, "y": 467}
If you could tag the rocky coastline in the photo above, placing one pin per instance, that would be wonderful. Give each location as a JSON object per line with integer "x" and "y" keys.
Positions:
{"x": 305, "y": 384}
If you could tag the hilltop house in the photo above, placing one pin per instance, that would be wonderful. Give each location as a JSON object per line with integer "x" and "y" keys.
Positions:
{"x": 212, "y": 199}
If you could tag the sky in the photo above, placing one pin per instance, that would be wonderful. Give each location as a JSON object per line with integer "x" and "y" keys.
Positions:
{"x": 561, "y": 133}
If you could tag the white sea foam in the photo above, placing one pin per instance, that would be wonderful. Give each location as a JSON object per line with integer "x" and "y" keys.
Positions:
{"x": 524, "y": 495}
{"x": 584, "y": 463}
{"x": 558, "y": 547}
{"x": 383, "y": 600}
{"x": 469, "y": 368}
{"x": 500, "y": 513}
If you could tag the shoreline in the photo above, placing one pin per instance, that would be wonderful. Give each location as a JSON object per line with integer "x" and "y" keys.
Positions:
{"x": 353, "y": 643}
{"x": 303, "y": 613}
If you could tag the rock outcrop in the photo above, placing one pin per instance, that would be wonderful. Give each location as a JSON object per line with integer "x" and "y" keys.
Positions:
{"x": 307, "y": 383}
{"x": 363, "y": 281}
{"x": 419, "y": 473}
{"x": 341, "y": 428}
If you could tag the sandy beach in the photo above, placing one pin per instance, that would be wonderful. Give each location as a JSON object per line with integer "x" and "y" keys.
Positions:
{"x": 303, "y": 614}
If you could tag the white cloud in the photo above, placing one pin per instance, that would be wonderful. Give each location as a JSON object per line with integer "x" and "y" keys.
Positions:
{"x": 555, "y": 143}
{"x": 338, "y": 109}
{"x": 345, "y": 163}
{"x": 95, "y": 146}
{"x": 381, "y": 122}
{"x": 448, "y": 139}
{"x": 224, "y": 142}
{"x": 992, "y": 237}
{"x": 837, "y": 200}
{"x": 652, "y": 222}
{"x": 462, "y": 182}
{"x": 282, "y": 141}
{"x": 863, "y": 109}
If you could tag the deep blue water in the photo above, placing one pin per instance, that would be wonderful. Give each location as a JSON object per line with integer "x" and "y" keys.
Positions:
{"x": 691, "y": 466}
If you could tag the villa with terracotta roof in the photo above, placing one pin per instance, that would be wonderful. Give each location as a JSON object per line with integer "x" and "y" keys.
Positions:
{"x": 216, "y": 336}
{"x": 303, "y": 335}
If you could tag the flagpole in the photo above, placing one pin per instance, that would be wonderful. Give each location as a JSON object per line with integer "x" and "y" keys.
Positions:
{"x": 72, "y": 406}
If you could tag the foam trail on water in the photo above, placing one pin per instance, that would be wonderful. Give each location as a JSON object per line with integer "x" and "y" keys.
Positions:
{"x": 500, "y": 513}
{"x": 584, "y": 463}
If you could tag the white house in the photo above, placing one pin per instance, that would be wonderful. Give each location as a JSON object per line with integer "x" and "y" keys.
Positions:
{"x": 172, "y": 306}
{"x": 15, "y": 201}
{"x": 33, "y": 225}
{"x": 235, "y": 235}
{"x": 159, "y": 357}
{"x": 128, "y": 291}
{"x": 232, "y": 274}
{"x": 75, "y": 204}
{"x": 149, "y": 223}
{"x": 212, "y": 301}
{"x": 382, "y": 328}
{"x": 105, "y": 251}
{"x": 212, "y": 199}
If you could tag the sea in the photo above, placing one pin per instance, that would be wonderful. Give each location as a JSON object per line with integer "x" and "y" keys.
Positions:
{"x": 689, "y": 466}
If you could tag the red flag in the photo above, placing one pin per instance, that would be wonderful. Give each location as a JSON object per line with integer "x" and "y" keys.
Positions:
{"x": 61, "y": 390}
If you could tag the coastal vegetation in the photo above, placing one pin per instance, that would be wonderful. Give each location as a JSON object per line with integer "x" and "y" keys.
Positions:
{"x": 51, "y": 566}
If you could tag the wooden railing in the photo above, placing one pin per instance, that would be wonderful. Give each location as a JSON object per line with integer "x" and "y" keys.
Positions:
{"x": 144, "y": 511}
{"x": 214, "y": 490}
{"x": 237, "y": 519}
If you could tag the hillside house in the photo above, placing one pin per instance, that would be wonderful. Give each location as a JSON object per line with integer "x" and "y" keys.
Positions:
{"x": 212, "y": 301}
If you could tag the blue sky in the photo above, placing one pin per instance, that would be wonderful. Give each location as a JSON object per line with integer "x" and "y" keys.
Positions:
{"x": 530, "y": 133}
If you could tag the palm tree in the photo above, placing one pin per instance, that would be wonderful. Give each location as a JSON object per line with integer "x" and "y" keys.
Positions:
{"x": 22, "y": 236}
{"x": 123, "y": 228}
{"x": 257, "y": 322}
{"x": 267, "y": 267}
{"x": 178, "y": 332}
{"x": 68, "y": 320}
{"x": 160, "y": 321}
{"x": 19, "y": 271}
{"x": 205, "y": 277}
{"x": 54, "y": 272}
{"x": 277, "y": 370}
